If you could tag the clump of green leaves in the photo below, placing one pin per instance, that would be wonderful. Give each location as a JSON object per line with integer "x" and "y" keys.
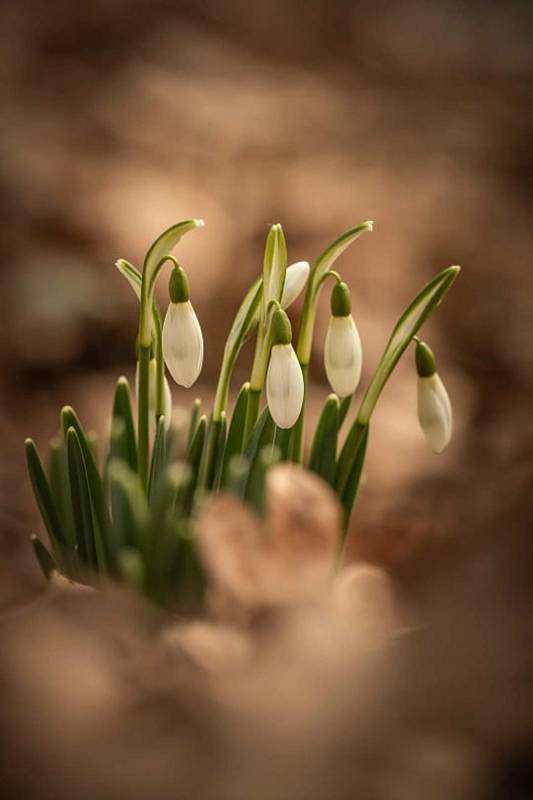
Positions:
{"x": 133, "y": 518}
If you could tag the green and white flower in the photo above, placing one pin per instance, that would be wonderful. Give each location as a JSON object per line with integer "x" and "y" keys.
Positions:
{"x": 284, "y": 383}
{"x": 343, "y": 356}
{"x": 183, "y": 343}
{"x": 433, "y": 403}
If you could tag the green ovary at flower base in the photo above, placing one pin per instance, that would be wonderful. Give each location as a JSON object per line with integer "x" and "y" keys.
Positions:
{"x": 134, "y": 520}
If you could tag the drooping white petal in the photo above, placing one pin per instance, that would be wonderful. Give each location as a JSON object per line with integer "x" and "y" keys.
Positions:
{"x": 343, "y": 356}
{"x": 434, "y": 412}
{"x": 284, "y": 386}
{"x": 295, "y": 280}
{"x": 183, "y": 343}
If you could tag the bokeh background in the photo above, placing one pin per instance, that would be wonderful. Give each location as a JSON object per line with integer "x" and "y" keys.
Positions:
{"x": 120, "y": 117}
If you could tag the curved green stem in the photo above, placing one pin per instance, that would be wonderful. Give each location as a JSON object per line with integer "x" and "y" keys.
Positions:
{"x": 405, "y": 329}
{"x": 160, "y": 362}
{"x": 242, "y": 324}
{"x": 322, "y": 266}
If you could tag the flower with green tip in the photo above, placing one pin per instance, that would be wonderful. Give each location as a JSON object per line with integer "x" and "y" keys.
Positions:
{"x": 183, "y": 343}
{"x": 295, "y": 280}
{"x": 433, "y": 403}
{"x": 343, "y": 356}
{"x": 284, "y": 382}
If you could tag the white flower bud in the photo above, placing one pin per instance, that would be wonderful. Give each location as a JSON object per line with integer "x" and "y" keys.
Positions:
{"x": 343, "y": 356}
{"x": 434, "y": 411}
{"x": 183, "y": 344}
{"x": 284, "y": 386}
{"x": 295, "y": 279}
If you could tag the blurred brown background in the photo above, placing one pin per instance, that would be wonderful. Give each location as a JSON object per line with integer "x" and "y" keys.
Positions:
{"x": 120, "y": 117}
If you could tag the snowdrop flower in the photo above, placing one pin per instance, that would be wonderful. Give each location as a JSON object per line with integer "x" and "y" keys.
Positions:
{"x": 343, "y": 357}
{"x": 183, "y": 344}
{"x": 433, "y": 404}
{"x": 295, "y": 279}
{"x": 152, "y": 393}
{"x": 284, "y": 382}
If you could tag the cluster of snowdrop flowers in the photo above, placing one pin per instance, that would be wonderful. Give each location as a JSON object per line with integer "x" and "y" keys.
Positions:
{"x": 135, "y": 518}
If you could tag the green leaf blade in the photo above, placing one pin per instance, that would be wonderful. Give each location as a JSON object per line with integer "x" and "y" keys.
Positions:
{"x": 351, "y": 489}
{"x": 324, "y": 449}
{"x": 44, "y": 559}
{"x": 125, "y": 445}
{"x": 44, "y": 497}
{"x": 235, "y": 438}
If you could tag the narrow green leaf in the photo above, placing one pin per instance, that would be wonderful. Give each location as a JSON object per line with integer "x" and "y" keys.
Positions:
{"x": 173, "y": 437}
{"x": 348, "y": 455}
{"x": 44, "y": 559}
{"x": 81, "y": 500}
{"x": 324, "y": 449}
{"x": 129, "y": 508}
{"x": 282, "y": 441}
{"x": 44, "y": 498}
{"x": 351, "y": 489}
{"x": 256, "y": 485}
{"x": 132, "y": 275}
{"x": 274, "y": 267}
{"x": 205, "y": 470}
{"x": 262, "y": 434}
{"x": 70, "y": 419}
{"x": 219, "y": 453}
{"x": 60, "y": 487}
{"x": 235, "y": 439}
{"x": 244, "y": 321}
{"x": 158, "y": 459}
{"x": 237, "y": 475}
{"x": 186, "y": 583}
{"x": 126, "y": 446}
{"x": 168, "y": 496}
{"x": 193, "y": 424}
{"x": 194, "y": 457}
{"x": 344, "y": 407}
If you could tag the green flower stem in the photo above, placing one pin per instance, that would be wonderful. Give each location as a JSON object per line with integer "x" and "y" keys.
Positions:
{"x": 406, "y": 328}
{"x": 160, "y": 362}
{"x": 242, "y": 325}
{"x": 143, "y": 422}
{"x": 319, "y": 270}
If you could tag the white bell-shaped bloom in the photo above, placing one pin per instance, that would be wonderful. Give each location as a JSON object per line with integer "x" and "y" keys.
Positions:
{"x": 343, "y": 355}
{"x": 284, "y": 386}
{"x": 295, "y": 279}
{"x": 434, "y": 412}
{"x": 183, "y": 343}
